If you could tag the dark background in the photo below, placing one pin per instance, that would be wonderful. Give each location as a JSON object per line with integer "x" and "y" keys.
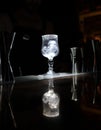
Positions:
{"x": 33, "y": 18}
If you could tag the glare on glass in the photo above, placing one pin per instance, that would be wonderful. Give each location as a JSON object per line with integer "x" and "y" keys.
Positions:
{"x": 50, "y": 49}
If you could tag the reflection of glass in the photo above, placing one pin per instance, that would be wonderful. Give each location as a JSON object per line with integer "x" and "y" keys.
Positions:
{"x": 0, "y": 96}
{"x": 7, "y": 80}
{"x": 74, "y": 94}
{"x": 11, "y": 80}
{"x": 0, "y": 82}
{"x": 0, "y": 69}
{"x": 74, "y": 88}
{"x": 50, "y": 101}
{"x": 50, "y": 49}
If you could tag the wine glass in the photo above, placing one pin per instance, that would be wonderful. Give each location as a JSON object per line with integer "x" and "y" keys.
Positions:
{"x": 50, "y": 49}
{"x": 50, "y": 101}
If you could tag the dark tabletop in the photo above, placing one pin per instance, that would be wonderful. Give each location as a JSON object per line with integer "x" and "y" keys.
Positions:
{"x": 24, "y": 110}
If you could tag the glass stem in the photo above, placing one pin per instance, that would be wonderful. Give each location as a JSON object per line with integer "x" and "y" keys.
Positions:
{"x": 51, "y": 84}
{"x": 50, "y": 65}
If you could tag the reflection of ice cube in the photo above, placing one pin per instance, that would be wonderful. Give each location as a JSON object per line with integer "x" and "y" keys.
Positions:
{"x": 51, "y": 98}
{"x": 45, "y": 99}
{"x": 53, "y": 101}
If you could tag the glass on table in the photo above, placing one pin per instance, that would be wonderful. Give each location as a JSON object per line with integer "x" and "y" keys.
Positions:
{"x": 50, "y": 49}
{"x": 77, "y": 67}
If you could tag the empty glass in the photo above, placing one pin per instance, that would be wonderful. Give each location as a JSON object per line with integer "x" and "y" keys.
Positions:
{"x": 77, "y": 64}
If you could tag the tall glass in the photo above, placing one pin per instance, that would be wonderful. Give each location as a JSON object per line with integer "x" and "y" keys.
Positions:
{"x": 50, "y": 49}
{"x": 76, "y": 57}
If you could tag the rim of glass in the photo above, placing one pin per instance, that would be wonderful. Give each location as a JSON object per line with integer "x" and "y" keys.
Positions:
{"x": 49, "y": 35}
{"x": 75, "y": 48}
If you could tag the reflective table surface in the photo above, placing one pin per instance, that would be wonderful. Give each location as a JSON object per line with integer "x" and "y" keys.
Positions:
{"x": 80, "y": 109}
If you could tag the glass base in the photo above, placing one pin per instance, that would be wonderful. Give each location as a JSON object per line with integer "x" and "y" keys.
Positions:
{"x": 49, "y": 114}
{"x": 50, "y": 72}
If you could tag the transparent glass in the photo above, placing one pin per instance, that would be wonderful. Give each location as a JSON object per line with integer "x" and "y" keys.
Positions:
{"x": 50, "y": 49}
{"x": 77, "y": 67}
{"x": 50, "y": 101}
{"x": 7, "y": 79}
